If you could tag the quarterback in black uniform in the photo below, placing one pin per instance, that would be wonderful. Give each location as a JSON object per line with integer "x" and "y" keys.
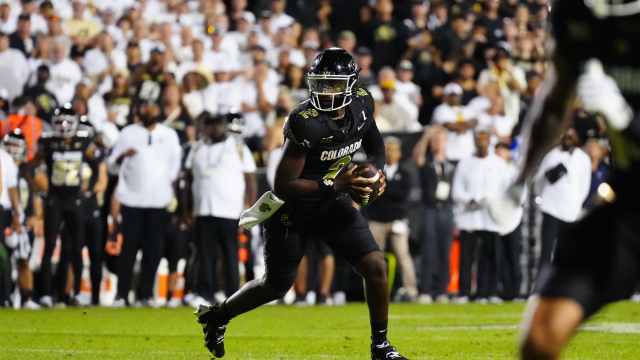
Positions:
{"x": 63, "y": 152}
{"x": 597, "y": 259}
{"x": 314, "y": 178}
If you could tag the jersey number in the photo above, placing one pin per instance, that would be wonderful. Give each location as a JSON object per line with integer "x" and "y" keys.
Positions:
{"x": 336, "y": 167}
{"x": 66, "y": 173}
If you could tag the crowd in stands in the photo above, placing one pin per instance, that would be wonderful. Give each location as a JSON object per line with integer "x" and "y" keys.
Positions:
{"x": 181, "y": 106}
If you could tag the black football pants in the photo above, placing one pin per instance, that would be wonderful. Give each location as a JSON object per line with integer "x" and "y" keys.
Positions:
{"x": 142, "y": 228}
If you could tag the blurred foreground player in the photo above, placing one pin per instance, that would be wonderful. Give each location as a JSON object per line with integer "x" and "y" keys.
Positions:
{"x": 315, "y": 179}
{"x": 596, "y": 259}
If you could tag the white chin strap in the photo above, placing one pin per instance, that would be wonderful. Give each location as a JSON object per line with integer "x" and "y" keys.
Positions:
{"x": 604, "y": 8}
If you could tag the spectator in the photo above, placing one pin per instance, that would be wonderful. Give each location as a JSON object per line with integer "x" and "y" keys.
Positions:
{"x": 149, "y": 155}
{"x": 105, "y": 59}
{"x": 118, "y": 99}
{"x": 388, "y": 217}
{"x": 38, "y": 23}
{"x": 405, "y": 85}
{"x": 495, "y": 119}
{"x": 223, "y": 170}
{"x": 510, "y": 242}
{"x": 79, "y": 27}
{"x": 23, "y": 117}
{"x": 510, "y": 78}
{"x": 44, "y": 99}
{"x": 476, "y": 179}
{"x": 175, "y": 116}
{"x": 8, "y": 18}
{"x": 436, "y": 175}
{"x": 65, "y": 73}
{"x": 279, "y": 19}
{"x": 564, "y": 177}
{"x": 347, "y": 40}
{"x": 386, "y": 37}
{"x": 395, "y": 112}
{"x": 260, "y": 92}
{"x": 22, "y": 39}
{"x": 366, "y": 77}
{"x": 14, "y": 69}
{"x": 459, "y": 121}
{"x": 4, "y": 103}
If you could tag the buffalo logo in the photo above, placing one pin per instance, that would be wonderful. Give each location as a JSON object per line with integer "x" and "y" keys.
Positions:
{"x": 265, "y": 208}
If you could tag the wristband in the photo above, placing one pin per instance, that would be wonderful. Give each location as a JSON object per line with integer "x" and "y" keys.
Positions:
{"x": 326, "y": 185}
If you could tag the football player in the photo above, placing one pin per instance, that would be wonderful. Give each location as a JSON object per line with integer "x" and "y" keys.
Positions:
{"x": 63, "y": 152}
{"x": 596, "y": 259}
{"x": 313, "y": 179}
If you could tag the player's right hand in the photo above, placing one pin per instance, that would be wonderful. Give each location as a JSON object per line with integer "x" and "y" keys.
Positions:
{"x": 347, "y": 180}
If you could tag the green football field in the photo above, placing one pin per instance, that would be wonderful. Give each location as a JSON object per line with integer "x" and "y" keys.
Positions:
{"x": 288, "y": 332}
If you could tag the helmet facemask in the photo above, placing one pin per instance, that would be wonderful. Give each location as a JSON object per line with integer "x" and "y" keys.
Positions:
{"x": 330, "y": 92}
{"x": 65, "y": 125}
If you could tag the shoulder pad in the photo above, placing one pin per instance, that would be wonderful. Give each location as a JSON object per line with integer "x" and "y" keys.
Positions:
{"x": 305, "y": 111}
{"x": 365, "y": 97}
{"x": 297, "y": 129}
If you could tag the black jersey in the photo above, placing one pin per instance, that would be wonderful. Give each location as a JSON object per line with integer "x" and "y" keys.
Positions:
{"x": 64, "y": 160}
{"x": 330, "y": 144}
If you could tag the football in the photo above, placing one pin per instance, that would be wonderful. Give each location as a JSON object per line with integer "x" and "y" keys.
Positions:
{"x": 367, "y": 170}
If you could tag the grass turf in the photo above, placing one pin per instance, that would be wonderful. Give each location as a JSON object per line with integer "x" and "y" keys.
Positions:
{"x": 286, "y": 332}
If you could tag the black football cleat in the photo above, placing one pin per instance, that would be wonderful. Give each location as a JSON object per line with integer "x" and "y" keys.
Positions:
{"x": 385, "y": 351}
{"x": 213, "y": 326}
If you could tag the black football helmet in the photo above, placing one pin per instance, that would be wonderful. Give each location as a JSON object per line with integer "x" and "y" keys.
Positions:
{"x": 15, "y": 144}
{"x": 65, "y": 121}
{"x": 331, "y": 78}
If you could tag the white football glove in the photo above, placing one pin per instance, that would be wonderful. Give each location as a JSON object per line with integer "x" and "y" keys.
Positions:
{"x": 599, "y": 92}
{"x": 263, "y": 209}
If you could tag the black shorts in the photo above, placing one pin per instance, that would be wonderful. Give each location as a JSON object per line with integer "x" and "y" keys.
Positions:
{"x": 341, "y": 227}
{"x": 597, "y": 260}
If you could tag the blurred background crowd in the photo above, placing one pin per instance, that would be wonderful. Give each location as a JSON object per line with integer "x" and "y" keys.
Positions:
{"x": 181, "y": 106}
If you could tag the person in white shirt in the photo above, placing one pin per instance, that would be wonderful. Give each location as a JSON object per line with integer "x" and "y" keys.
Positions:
{"x": 510, "y": 78}
{"x": 405, "y": 84}
{"x": 223, "y": 174}
{"x": 477, "y": 179}
{"x": 149, "y": 156}
{"x": 258, "y": 100}
{"x": 65, "y": 73}
{"x": 495, "y": 119}
{"x": 8, "y": 18}
{"x": 564, "y": 179}
{"x": 395, "y": 112}
{"x": 279, "y": 18}
{"x": 14, "y": 68}
{"x": 104, "y": 59}
{"x": 511, "y": 233}
{"x": 459, "y": 122}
